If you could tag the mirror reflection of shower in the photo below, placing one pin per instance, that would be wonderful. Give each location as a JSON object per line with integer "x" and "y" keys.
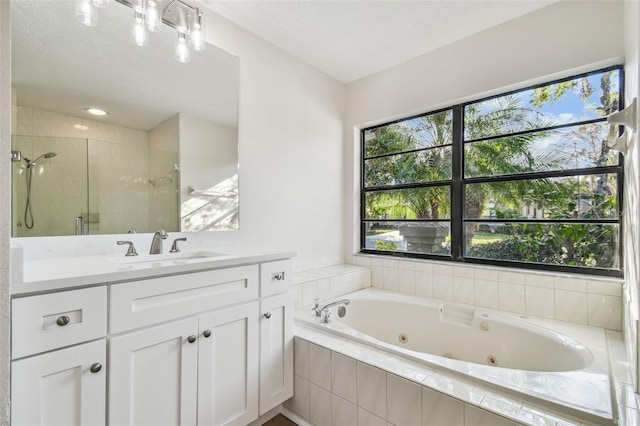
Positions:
{"x": 28, "y": 214}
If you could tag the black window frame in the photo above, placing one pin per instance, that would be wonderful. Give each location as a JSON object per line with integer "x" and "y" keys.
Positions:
{"x": 458, "y": 181}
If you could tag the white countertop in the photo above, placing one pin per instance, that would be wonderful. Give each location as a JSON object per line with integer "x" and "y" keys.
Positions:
{"x": 46, "y": 275}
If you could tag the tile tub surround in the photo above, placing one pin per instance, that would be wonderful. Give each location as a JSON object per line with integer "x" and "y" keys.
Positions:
{"x": 581, "y": 299}
{"x": 328, "y": 282}
{"x": 340, "y": 382}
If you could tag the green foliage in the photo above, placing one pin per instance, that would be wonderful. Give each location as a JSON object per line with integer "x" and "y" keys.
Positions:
{"x": 385, "y": 245}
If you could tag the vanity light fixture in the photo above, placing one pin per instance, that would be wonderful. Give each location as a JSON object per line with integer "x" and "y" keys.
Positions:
{"x": 182, "y": 50}
{"x": 96, "y": 111}
{"x": 149, "y": 16}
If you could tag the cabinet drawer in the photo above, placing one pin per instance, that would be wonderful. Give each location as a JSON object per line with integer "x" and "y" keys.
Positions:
{"x": 275, "y": 277}
{"x": 50, "y": 321}
{"x": 140, "y": 303}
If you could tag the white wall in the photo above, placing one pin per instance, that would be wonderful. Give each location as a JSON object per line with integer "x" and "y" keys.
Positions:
{"x": 5, "y": 209}
{"x": 632, "y": 194}
{"x": 546, "y": 44}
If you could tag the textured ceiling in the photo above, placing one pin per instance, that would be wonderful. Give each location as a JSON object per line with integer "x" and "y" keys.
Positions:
{"x": 350, "y": 39}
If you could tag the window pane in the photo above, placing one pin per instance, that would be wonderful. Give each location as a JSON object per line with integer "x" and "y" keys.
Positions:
{"x": 561, "y": 149}
{"x": 416, "y": 133}
{"x": 422, "y": 166}
{"x": 419, "y": 203}
{"x": 570, "y": 244}
{"x": 580, "y": 99}
{"x": 409, "y": 237}
{"x": 577, "y": 197}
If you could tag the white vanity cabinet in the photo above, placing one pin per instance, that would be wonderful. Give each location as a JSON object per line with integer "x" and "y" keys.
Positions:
{"x": 276, "y": 334}
{"x": 207, "y": 347}
{"x": 65, "y": 386}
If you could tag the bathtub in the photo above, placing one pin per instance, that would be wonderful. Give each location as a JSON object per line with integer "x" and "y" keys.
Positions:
{"x": 550, "y": 362}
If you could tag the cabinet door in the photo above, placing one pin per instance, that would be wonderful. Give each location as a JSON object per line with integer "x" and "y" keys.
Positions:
{"x": 228, "y": 366}
{"x": 153, "y": 375}
{"x": 59, "y": 388}
{"x": 276, "y": 351}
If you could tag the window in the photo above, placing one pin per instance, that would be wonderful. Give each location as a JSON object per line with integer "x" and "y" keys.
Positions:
{"x": 521, "y": 179}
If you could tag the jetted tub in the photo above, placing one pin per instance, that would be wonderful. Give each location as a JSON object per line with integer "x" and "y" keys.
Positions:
{"x": 560, "y": 363}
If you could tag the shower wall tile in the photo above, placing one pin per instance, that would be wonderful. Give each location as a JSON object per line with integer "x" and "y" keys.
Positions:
{"x": 120, "y": 157}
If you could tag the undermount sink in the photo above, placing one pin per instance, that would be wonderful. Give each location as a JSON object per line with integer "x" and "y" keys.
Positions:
{"x": 167, "y": 258}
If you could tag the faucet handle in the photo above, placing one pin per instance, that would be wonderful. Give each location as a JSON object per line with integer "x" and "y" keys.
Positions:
{"x": 316, "y": 303}
{"x": 131, "y": 251}
{"x": 174, "y": 246}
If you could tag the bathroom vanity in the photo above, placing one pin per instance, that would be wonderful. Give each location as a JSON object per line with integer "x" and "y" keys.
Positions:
{"x": 175, "y": 341}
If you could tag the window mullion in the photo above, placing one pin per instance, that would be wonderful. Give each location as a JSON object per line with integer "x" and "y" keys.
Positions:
{"x": 457, "y": 193}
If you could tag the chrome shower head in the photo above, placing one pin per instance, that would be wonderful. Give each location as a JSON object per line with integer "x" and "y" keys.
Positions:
{"x": 46, "y": 156}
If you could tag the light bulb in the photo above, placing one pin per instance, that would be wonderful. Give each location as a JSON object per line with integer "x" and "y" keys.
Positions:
{"x": 86, "y": 13}
{"x": 139, "y": 34}
{"x": 196, "y": 39}
{"x": 153, "y": 16}
{"x": 182, "y": 50}
{"x": 101, "y": 3}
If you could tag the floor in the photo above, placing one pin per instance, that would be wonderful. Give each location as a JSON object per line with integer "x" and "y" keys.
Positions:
{"x": 280, "y": 420}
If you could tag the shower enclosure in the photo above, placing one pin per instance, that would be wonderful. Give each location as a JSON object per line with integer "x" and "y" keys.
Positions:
{"x": 91, "y": 186}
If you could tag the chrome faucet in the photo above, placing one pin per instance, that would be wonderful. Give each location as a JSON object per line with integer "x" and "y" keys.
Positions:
{"x": 156, "y": 242}
{"x": 324, "y": 311}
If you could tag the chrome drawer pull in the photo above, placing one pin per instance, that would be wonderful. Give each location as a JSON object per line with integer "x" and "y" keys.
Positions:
{"x": 95, "y": 367}
{"x": 267, "y": 315}
{"x": 191, "y": 339}
{"x": 206, "y": 333}
{"x": 63, "y": 320}
{"x": 278, "y": 276}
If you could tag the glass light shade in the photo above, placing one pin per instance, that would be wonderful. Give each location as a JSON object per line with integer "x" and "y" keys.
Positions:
{"x": 101, "y": 3}
{"x": 196, "y": 38}
{"x": 154, "y": 20}
{"x": 182, "y": 50}
{"x": 139, "y": 35}
{"x": 87, "y": 13}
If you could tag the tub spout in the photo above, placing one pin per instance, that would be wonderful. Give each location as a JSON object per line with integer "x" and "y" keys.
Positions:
{"x": 324, "y": 310}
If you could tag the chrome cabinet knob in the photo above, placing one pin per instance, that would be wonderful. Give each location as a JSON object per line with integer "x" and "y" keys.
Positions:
{"x": 63, "y": 320}
{"x": 95, "y": 367}
{"x": 191, "y": 339}
{"x": 206, "y": 333}
{"x": 267, "y": 315}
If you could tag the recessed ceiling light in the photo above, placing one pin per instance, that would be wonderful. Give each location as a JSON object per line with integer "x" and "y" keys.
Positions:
{"x": 80, "y": 127}
{"x": 96, "y": 111}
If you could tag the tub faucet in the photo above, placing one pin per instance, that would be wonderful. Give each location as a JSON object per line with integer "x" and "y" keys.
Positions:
{"x": 324, "y": 311}
{"x": 156, "y": 242}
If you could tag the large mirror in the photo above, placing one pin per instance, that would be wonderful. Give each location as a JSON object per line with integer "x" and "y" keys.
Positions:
{"x": 165, "y": 155}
